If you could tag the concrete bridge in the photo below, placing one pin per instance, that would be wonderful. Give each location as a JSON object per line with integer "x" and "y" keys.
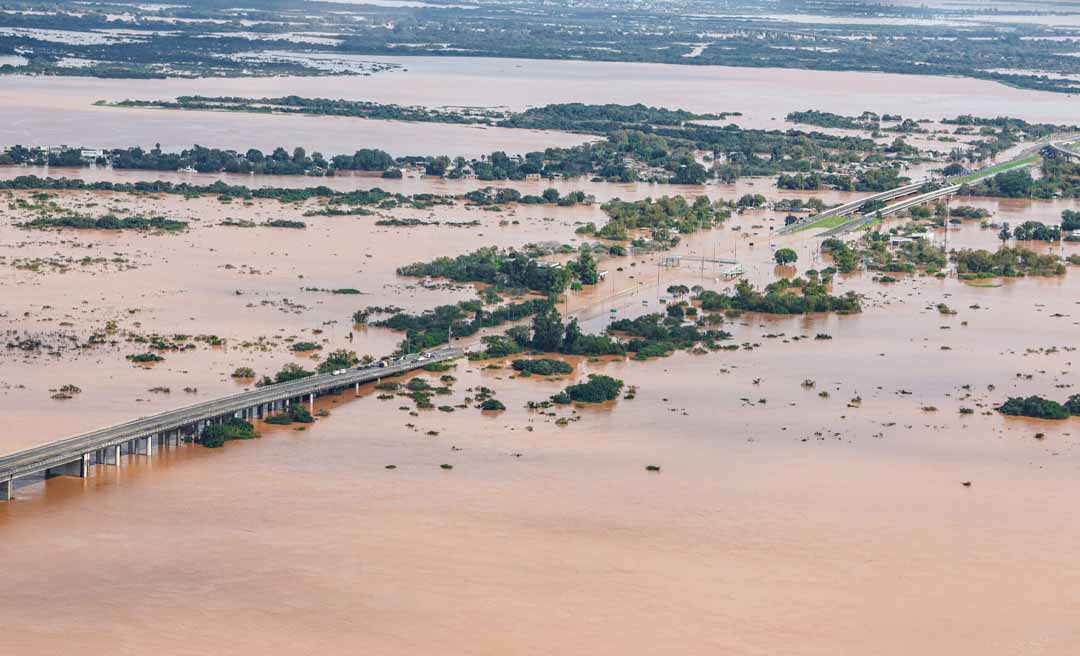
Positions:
{"x": 74, "y": 455}
{"x": 1054, "y": 146}
{"x": 889, "y": 210}
{"x": 849, "y": 208}
{"x": 1061, "y": 150}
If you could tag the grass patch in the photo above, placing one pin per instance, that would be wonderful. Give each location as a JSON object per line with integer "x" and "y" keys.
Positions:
{"x": 994, "y": 170}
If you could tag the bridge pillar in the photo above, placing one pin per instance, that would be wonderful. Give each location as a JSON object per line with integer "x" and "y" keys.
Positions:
{"x": 112, "y": 455}
{"x": 145, "y": 445}
{"x": 311, "y": 403}
{"x": 358, "y": 388}
{"x": 77, "y": 468}
{"x": 7, "y": 490}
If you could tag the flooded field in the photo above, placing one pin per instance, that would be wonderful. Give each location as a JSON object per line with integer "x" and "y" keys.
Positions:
{"x": 60, "y": 110}
{"x": 860, "y": 514}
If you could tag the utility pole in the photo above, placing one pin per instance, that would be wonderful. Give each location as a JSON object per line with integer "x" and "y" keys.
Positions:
{"x": 947, "y": 216}
{"x": 658, "y": 278}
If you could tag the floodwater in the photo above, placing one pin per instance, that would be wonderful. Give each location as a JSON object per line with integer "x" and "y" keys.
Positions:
{"x": 786, "y": 518}
{"x": 40, "y": 110}
{"x": 781, "y": 521}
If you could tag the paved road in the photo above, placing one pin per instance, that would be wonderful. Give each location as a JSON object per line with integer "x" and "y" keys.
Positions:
{"x": 853, "y": 206}
{"x": 62, "y": 451}
{"x": 1063, "y": 148}
{"x": 1056, "y": 142}
{"x": 891, "y": 209}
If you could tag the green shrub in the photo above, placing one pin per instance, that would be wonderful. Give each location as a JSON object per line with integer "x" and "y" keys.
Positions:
{"x": 145, "y": 357}
{"x": 492, "y": 404}
{"x": 598, "y": 389}
{"x": 543, "y": 367}
{"x": 296, "y": 412}
{"x": 215, "y": 435}
{"x": 1033, "y": 406}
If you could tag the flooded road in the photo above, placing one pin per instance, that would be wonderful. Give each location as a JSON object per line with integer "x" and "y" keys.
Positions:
{"x": 786, "y": 518}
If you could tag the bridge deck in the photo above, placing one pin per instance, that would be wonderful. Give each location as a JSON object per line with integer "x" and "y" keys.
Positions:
{"x": 63, "y": 451}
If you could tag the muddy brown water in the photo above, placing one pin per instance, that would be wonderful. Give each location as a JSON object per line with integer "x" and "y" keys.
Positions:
{"x": 781, "y": 521}
{"x": 51, "y": 110}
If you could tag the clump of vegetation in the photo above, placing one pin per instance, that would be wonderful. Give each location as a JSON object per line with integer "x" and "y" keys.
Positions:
{"x": 1036, "y": 231}
{"x": 361, "y": 316}
{"x": 285, "y": 223}
{"x": 543, "y": 367}
{"x": 107, "y": 222}
{"x": 876, "y": 248}
{"x": 1006, "y": 262}
{"x": 664, "y": 218}
{"x": 653, "y": 335}
{"x": 304, "y": 347}
{"x": 296, "y": 412}
{"x": 598, "y": 389}
{"x": 339, "y": 359}
{"x": 215, "y": 435}
{"x": 1038, "y": 407}
{"x": 785, "y": 256}
{"x": 418, "y": 385}
{"x": 291, "y": 371}
{"x": 797, "y": 296}
{"x": 243, "y": 372}
{"x": 503, "y": 269}
{"x": 432, "y": 328}
{"x": 140, "y": 358}
{"x": 492, "y": 405}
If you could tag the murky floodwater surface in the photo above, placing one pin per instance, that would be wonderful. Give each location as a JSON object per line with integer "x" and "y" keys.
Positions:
{"x": 782, "y": 520}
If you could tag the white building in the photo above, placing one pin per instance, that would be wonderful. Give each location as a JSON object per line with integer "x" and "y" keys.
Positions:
{"x": 91, "y": 154}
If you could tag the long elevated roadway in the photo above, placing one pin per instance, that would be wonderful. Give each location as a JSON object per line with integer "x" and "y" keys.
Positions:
{"x": 72, "y": 456}
{"x": 893, "y": 209}
{"x": 1064, "y": 149}
{"x": 1059, "y": 144}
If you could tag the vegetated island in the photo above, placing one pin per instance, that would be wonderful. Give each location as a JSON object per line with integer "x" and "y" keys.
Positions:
{"x": 1041, "y": 408}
